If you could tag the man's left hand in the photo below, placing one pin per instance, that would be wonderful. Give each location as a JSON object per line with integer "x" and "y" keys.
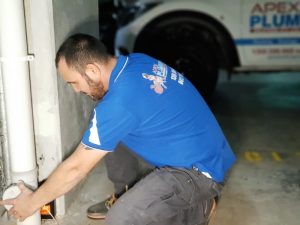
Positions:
{"x": 21, "y": 205}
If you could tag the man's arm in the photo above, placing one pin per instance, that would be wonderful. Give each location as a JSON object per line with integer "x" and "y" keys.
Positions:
{"x": 69, "y": 173}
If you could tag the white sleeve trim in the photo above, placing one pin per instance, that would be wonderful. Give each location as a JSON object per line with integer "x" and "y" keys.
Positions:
{"x": 98, "y": 149}
{"x": 94, "y": 134}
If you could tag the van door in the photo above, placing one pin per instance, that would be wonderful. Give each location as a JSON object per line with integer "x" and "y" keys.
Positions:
{"x": 271, "y": 33}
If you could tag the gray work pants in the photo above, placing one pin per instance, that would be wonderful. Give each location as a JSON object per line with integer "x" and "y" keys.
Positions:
{"x": 167, "y": 196}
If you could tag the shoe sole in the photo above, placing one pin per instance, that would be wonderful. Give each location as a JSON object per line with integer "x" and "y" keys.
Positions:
{"x": 96, "y": 217}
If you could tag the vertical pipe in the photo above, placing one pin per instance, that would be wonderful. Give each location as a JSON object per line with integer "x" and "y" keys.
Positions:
{"x": 4, "y": 144}
{"x": 16, "y": 84}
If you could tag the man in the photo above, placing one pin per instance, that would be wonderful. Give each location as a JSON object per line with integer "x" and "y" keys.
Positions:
{"x": 158, "y": 114}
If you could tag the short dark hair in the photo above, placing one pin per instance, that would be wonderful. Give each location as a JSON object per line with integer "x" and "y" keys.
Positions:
{"x": 80, "y": 50}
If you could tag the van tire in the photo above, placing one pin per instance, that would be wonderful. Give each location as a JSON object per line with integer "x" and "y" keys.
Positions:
{"x": 185, "y": 45}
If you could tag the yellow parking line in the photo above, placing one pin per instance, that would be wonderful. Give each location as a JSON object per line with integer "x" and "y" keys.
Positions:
{"x": 257, "y": 156}
{"x": 252, "y": 156}
{"x": 276, "y": 156}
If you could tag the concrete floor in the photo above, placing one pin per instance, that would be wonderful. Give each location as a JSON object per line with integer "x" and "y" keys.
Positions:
{"x": 260, "y": 117}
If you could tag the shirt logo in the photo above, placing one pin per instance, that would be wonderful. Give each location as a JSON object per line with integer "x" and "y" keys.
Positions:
{"x": 159, "y": 79}
{"x": 158, "y": 82}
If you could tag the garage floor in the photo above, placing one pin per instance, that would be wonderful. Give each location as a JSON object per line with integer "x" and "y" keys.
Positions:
{"x": 260, "y": 116}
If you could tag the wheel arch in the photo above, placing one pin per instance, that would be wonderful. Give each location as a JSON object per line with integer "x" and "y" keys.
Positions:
{"x": 226, "y": 50}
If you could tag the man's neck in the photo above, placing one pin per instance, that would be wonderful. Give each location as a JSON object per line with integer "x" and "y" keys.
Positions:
{"x": 107, "y": 71}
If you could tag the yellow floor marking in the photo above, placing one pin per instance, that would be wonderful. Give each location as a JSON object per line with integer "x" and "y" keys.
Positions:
{"x": 252, "y": 156}
{"x": 276, "y": 156}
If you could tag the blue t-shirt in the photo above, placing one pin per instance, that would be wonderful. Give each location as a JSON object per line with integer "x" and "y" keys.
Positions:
{"x": 159, "y": 114}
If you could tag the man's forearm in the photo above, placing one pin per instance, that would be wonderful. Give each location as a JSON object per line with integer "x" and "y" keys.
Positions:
{"x": 66, "y": 175}
{"x": 62, "y": 180}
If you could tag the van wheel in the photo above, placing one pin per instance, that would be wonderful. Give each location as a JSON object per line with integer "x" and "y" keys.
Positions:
{"x": 186, "y": 47}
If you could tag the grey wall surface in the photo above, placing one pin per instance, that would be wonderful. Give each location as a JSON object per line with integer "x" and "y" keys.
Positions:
{"x": 72, "y": 17}
{"x": 60, "y": 115}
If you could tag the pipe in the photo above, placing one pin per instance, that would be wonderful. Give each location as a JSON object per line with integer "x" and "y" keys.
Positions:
{"x": 16, "y": 84}
{"x": 4, "y": 143}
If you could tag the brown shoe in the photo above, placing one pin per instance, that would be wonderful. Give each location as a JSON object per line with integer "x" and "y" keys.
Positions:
{"x": 99, "y": 210}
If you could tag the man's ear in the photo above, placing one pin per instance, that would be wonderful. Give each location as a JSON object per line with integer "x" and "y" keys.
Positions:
{"x": 92, "y": 71}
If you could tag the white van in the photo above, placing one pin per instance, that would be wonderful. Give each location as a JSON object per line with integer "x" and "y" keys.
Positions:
{"x": 200, "y": 37}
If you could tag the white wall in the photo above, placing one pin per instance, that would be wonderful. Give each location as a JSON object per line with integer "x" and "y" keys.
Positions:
{"x": 60, "y": 115}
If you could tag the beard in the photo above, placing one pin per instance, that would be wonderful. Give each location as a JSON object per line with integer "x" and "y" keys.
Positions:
{"x": 97, "y": 89}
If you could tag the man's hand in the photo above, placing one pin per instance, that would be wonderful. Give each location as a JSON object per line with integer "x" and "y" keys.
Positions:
{"x": 69, "y": 173}
{"x": 21, "y": 205}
